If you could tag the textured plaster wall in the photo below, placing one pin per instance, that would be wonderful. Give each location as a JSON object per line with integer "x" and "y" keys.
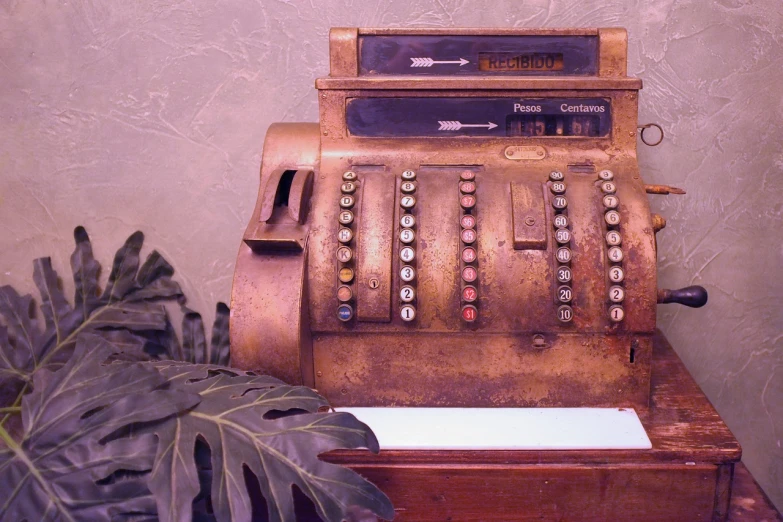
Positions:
{"x": 123, "y": 115}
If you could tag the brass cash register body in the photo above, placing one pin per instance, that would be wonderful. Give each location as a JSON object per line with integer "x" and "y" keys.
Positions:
{"x": 533, "y": 133}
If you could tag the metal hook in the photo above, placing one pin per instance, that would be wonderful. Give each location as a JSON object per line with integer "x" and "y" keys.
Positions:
{"x": 647, "y": 126}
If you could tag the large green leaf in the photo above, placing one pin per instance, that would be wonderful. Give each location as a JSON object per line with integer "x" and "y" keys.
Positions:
{"x": 238, "y": 418}
{"x": 74, "y": 459}
{"x": 128, "y": 304}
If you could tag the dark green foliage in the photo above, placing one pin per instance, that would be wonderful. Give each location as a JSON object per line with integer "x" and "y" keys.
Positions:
{"x": 107, "y": 416}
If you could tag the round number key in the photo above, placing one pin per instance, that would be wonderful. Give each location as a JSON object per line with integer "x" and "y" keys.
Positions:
{"x": 564, "y": 294}
{"x": 608, "y": 187}
{"x": 616, "y": 294}
{"x": 467, "y": 187}
{"x": 349, "y": 175}
{"x": 562, "y": 236}
{"x": 408, "y": 175}
{"x": 468, "y": 235}
{"x": 611, "y": 201}
{"x": 558, "y": 187}
{"x": 561, "y": 221}
{"x": 468, "y": 254}
{"x": 565, "y": 313}
{"x": 563, "y": 254}
{"x": 469, "y": 274}
{"x": 612, "y": 217}
{"x": 469, "y": 313}
{"x": 407, "y": 254}
{"x": 407, "y": 294}
{"x": 345, "y": 275}
{"x": 348, "y": 187}
{"x": 469, "y": 294}
{"x": 407, "y": 202}
{"x": 556, "y": 175}
{"x": 563, "y": 274}
{"x": 467, "y": 221}
{"x": 467, "y": 201}
{"x": 408, "y": 187}
{"x": 345, "y": 217}
{"x": 344, "y": 254}
{"x": 616, "y": 313}
{"x": 615, "y": 254}
{"x": 559, "y": 202}
{"x": 613, "y": 238}
{"x": 344, "y": 312}
{"x": 606, "y": 175}
{"x": 407, "y": 221}
{"x": 616, "y": 274}
{"x": 347, "y": 201}
{"x": 407, "y": 273}
{"x": 344, "y": 293}
{"x": 408, "y": 313}
{"x": 407, "y": 235}
{"x": 467, "y": 175}
{"x": 344, "y": 235}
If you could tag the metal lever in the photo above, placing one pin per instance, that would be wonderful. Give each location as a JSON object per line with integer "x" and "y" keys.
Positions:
{"x": 693, "y": 296}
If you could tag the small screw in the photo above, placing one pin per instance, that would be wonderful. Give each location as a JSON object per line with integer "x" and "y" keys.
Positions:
{"x": 632, "y": 133}
{"x": 538, "y": 341}
{"x": 530, "y": 221}
{"x": 374, "y": 283}
{"x": 344, "y": 391}
{"x": 319, "y": 374}
{"x": 540, "y": 152}
{"x": 326, "y": 133}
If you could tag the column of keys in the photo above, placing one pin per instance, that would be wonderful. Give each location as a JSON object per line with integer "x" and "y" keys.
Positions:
{"x": 468, "y": 251}
{"x": 614, "y": 241}
{"x": 408, "y": 246}
{"x": 564, "y": 294}
{"x": 345, "y": 238}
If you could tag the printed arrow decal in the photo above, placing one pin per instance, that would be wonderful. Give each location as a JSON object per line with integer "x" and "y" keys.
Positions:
{"x": 456, "y": 125}
{"x": 429, "y": 62}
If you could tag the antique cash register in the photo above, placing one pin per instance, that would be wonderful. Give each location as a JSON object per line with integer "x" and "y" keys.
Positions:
{"x": 467, "y": 226}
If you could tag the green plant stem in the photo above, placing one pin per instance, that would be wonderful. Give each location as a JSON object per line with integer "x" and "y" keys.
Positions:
{"x": 11, "y": 409}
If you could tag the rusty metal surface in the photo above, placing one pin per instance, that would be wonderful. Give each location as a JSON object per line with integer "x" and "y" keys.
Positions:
{"x": 517, "y": 352}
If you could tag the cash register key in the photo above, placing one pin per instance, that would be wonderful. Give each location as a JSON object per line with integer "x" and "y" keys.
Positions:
{"x": 467, "y": 187}
{"x": 347, "y": 201}
{"x": 349, "y": 175}
{"x": 407, "y": 294}
{"x": 407, "y": 273}
{"x": 616, "y": 313}
{"x": 563, "y": 274}
{"x": 348, "y": 187}
{"x": 562, "y": 236}
{"x": 616, "y": 274}
{"x": 616, "y": 294}
{"x": 613, "y": 238}
{"x": 561, "y": 221}
{"x": 615, "y": 254}
{"x": 558, "y": 187}
{"x": 467, "y": 175}
{"x": 467, "y": 221}
{"x": 611, "y": 201}
{"x": 469, "y": 254}
{"x": 469, "y": 274}
{"x": 408, "y": 187}
{"x": 408, "y": 312}
{"x": 345, "y": 312}
{"x": 608, "y": 187}
{"x": 344, "y": 235}
{"x": 564, "y": 294}
{"x": 612, "y": 217}
{"x": 407, "y": 235}
{"x": 559, "y": 202}
{"x": 345, "y": 217}
{"x": 345, "y": 275}
{"x": 469, "y": 294}
{"x": 407, "y": 202}
{"x": 606, "y": 175}
{"x": 565, "y": 313}
{"x": 407, "y": 221}
{"x": 407, "y": 254}
{"x": 469, "y": 313}
{"x": 467, "y": 201}
{"x": 344, "y": 254}
{"x": 563, "y": 254}
{"x": 556, "y": 175}
{"x": 408, "y": 175}
{"x": 468, "y": 235}
{"x": 344, "y": 294}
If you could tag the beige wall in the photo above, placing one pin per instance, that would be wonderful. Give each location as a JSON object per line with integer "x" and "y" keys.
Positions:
{"x": 124, "y": 115}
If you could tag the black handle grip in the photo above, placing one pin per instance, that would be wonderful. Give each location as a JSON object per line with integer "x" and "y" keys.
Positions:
{"x": 693, "y": 296}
